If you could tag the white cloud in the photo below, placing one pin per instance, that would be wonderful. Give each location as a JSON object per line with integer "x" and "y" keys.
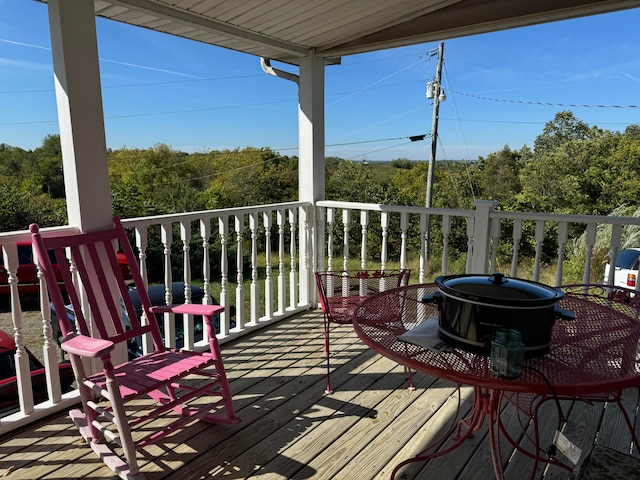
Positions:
{"x": 23, "y": 64}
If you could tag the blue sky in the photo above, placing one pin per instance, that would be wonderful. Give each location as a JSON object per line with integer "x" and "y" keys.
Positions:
{"x": 501, "y": 89}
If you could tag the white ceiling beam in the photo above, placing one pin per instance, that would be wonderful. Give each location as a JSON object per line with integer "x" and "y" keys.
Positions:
{"x": 211, "y": 25}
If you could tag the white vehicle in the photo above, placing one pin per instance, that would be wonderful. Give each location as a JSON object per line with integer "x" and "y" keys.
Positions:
{"x": 626, "y": 269}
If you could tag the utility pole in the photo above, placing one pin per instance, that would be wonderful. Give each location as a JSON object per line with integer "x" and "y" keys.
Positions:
{"x": 435, "y": 91}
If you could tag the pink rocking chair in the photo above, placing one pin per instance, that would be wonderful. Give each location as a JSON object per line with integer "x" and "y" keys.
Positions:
{"x": 125, "y": 398}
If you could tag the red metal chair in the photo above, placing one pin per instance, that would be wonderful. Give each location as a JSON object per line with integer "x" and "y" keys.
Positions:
{"x": 342, "y": 291}
{"x": 121, "y": 401}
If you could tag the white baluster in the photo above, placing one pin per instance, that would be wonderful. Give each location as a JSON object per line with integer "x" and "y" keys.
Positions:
{"x": 330, "y": 222}
{"x": 254, "y": 289}
{"x": 23, "y": 375}
{"x": 268, "y": 283}
{"x": 346, "y": 221}
{"x": 517, "y": 238}
{"x": 364, "y": 222}
{"x": 293, "y": 273}
{"x": 205, "y": 235}
{"x": 223, "y": 230}
{"x": 384, "y": 251}
{"x": 446, "y": 233}
{"x": 590, "y": 240}
{"x": 142, "y": 241}
{"x": 539, "y": 236}
{"x": 49, "y": 352}
{"x": 188, "y": 327}
{"x": 282, "y": 284}
{"x": 166, "y": 237}
{"x": 404, "y": 227}
{"x": 563, "y": 228}
{"x": 239, "y": 228}
{"x": 423, "y": 248}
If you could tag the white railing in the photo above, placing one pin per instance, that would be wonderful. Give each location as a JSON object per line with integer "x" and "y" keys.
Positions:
{"x": 410, "y": 224}
{"x": 277, "y": 241}
{"x": 485, "y": 232}
{"x": 272, "y": 291}
{"x": 284, "y": 245}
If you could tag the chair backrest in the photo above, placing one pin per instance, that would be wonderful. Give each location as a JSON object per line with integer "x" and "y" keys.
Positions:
{"x": 625, "y": 298}
{"x": 358, "y": 283}
{"x": 95, "y": 283}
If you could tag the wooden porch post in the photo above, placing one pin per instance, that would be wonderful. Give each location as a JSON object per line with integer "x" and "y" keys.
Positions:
{"x": 311, "y": 129}
{"x": 311, "y": 162}
{"x": 77, "y": 81}
{"x": 481, "y": 235}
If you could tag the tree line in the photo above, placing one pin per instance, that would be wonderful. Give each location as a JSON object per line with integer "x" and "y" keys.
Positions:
{"x": 571, "y": 168}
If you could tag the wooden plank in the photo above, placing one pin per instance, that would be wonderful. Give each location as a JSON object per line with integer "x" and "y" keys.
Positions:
{"x": 474, "y": 461}
{"x": 267, "y": 413}
{"x": 520, "y": 466}
{"x": 327, "y": 420}
{"x": 401, "y": 423}
{"x": 291, "y": 430}
{"x": 432, "y": 432}
{"x": 614, "y": 431}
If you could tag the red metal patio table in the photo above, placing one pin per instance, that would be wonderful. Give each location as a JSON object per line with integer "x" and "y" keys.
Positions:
{"x": 592, "y": 358}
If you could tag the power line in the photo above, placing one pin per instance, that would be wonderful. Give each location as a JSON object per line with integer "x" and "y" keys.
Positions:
{"x": 528, "y": 102}
{"x": 412, "y": 138}
{"x": 379, "y": 150}
{"x": 143, "y": 84}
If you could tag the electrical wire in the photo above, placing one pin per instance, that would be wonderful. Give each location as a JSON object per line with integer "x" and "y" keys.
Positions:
{"x": 458, "y": 123}
{"x": 561, "y": 417}
{"x": 379, "y": 150}
{"x": 528, "y": 102}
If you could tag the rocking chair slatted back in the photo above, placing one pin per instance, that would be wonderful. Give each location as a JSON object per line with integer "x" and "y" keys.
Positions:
{"x": 173, "y": 381}
{"x": 99, "y": 271}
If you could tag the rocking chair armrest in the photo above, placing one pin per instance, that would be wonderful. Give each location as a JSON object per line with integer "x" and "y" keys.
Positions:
{"x": 85, "y": 346}
{"x": 190, "y": 309}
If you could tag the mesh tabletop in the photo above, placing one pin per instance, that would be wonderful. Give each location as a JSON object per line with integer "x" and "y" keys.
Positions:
{"x": 595, "y": 353}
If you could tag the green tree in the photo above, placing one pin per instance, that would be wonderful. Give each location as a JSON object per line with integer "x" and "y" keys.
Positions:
{"x": 45, "y": 174}
{"x": 402, "y": 163}
{"x": 498, "y": 175}
{"x": 251, "y": 176}
{"x": 556, "y": 133}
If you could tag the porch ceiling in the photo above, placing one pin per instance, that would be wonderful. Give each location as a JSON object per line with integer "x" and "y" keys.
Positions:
{"x": 286, "y": 30}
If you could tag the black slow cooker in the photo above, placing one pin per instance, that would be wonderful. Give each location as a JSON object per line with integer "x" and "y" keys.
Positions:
{"x": 473, "y": 307}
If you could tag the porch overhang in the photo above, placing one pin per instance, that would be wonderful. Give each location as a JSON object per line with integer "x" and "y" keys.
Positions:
{"x": 287, "y": 31}
{"x": 306, "y": 34}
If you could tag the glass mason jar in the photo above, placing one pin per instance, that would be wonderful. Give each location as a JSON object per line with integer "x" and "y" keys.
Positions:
{"x": 507, "y": 353}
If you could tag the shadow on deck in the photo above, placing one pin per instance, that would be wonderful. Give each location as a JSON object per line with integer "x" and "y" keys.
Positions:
{"x": 291, "y": 430}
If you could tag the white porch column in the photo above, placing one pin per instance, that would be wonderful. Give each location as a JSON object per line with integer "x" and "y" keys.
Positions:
{"x": 77, "y": 81}
{"x": 482, "y": 236}
{"x": 311, "y": 129}
{"x": 311, "y": 163}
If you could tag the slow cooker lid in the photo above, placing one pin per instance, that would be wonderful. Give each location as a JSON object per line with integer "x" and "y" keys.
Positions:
{"x": 498, "y": 290}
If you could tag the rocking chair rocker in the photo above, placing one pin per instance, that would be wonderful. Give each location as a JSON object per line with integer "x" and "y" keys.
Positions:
{"x": 121, "y": 399}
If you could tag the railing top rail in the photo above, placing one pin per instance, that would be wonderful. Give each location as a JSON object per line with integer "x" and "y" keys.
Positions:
{"x": 375, "y": 207}
{"x": 25, "y": 236}
{"x": 178, "y": 217}
{"x": 564, "y": 217}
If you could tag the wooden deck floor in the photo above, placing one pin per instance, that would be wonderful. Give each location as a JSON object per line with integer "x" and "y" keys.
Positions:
{"x": 291, "y": 430}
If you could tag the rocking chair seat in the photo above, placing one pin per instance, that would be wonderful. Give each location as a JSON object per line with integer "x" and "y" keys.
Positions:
{"x": 149, "y": 372}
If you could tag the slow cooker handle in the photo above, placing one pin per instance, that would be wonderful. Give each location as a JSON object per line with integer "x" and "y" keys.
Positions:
{"x": 563, "y": 313}
{"x": 433, "y": 298}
